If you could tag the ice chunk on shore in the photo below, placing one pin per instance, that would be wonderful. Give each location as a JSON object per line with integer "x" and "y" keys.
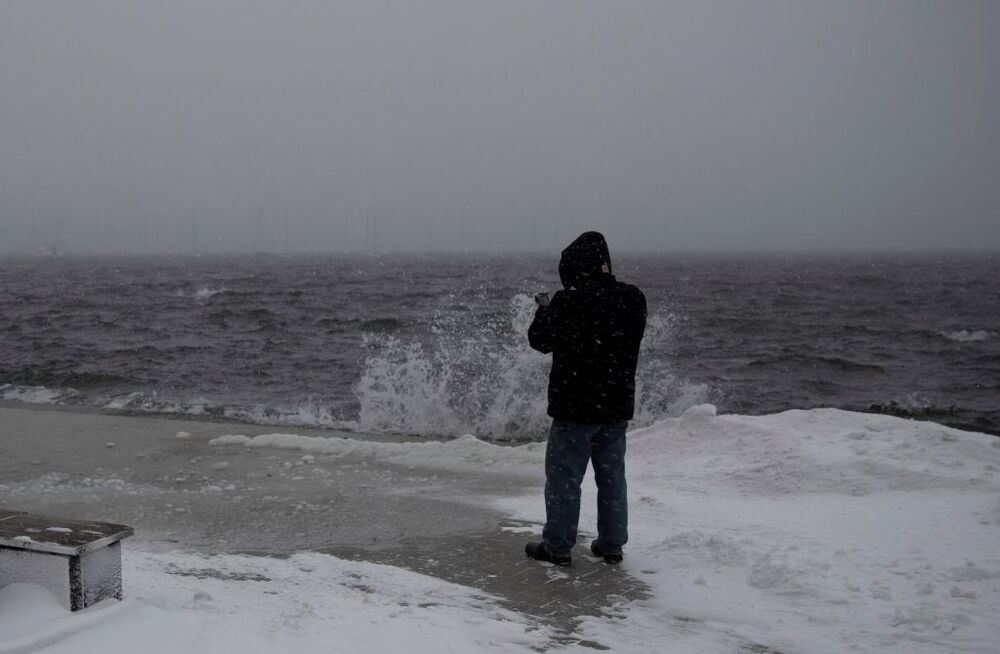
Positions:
{"x": 466, "y": 452}
{"x": 230, "y": 439}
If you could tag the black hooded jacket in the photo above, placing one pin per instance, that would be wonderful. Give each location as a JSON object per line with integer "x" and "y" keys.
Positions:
{"x": 593, "y": 329}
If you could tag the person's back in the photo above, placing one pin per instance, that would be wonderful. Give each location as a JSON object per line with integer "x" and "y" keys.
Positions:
{"x": 593, "y": 329}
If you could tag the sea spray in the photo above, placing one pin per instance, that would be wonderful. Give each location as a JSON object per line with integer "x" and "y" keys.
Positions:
{"x": 659, "y": 392}
{"x": 484, "y": 381}
{"x": 488, "y": 382}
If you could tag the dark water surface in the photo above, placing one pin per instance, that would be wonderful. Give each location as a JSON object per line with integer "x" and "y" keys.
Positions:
{"x": 435, "y": 344}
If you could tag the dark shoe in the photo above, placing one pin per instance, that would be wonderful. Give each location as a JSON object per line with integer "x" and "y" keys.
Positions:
{"x": 610, "y": 555}
{"x": 539, "y": 552}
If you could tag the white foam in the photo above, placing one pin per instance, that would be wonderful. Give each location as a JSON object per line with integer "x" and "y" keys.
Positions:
{"x": 32, "y": 394}
{"x": 967, "y": 336}
{"x": 205, "y": 293}
{"x": 152, "y": 403}
{"x": 310, "y": 413}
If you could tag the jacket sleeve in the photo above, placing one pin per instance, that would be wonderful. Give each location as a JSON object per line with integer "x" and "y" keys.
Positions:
{"x": 545, "y": 332}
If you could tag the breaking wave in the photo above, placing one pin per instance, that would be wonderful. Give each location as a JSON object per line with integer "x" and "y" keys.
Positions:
{"x": 487, "y": 381}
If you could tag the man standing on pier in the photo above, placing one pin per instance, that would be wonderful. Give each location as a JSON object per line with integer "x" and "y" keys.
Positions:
{"x": 593, "y": 328}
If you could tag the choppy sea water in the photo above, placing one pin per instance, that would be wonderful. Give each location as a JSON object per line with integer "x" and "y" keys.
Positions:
{"x": 435, "y": 345}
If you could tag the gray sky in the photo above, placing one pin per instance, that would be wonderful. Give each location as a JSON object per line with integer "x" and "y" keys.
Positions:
{"x": 458, "y": 124}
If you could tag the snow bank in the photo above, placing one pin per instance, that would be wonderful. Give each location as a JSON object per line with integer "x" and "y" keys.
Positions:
{"x": 816, "y": 531}
{"x": 816, "y": 451}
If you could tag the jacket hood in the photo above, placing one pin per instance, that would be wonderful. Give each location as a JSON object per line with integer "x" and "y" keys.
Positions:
{"x": 584, "y": 259}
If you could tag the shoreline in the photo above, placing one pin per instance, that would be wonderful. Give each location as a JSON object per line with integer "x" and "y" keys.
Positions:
{"x": 401, "y": 437}
{"x": 196, "y": 419}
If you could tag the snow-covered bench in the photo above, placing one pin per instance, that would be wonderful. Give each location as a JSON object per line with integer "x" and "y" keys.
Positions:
{"x": 80, "y": 561}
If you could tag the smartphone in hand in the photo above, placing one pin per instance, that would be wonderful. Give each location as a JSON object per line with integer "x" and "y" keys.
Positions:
{"x": 542, "y": 299}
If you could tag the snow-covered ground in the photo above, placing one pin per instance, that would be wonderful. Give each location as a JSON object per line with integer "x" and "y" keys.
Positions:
{"x": 307, "y": 603}
{"x": 817, "y": 531}
{"x": 802, "y": 532}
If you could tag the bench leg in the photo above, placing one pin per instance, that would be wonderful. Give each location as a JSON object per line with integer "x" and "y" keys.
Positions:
{"x": 95, "y": 576}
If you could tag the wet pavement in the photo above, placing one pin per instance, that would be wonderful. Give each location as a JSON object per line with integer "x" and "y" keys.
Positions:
{"x": 494, "y": 561}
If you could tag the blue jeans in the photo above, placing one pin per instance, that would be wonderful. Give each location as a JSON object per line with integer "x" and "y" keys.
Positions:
{"x": 571, "y": 446}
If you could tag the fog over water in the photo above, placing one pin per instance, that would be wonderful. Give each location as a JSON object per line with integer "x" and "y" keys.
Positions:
{"x": 458, "y": 125}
